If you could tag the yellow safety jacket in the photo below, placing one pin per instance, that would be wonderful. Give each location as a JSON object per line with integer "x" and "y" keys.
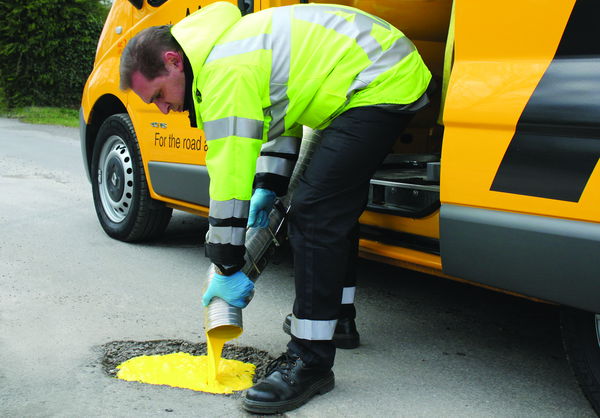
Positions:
{"x": 259, "y": 78}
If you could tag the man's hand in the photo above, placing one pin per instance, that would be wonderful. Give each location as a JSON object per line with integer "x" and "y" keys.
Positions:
{"x": 235, "y": 289}
{"x": 261, "y": 205}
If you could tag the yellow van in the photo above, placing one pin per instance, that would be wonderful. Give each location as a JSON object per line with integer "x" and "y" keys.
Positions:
{"x": 495, "y": 184}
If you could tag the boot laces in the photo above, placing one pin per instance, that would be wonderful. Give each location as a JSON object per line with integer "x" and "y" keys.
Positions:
{"x": 282, "y": 364}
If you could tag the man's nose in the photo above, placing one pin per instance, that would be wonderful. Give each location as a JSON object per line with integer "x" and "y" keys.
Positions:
{"x": 163, "y": 107}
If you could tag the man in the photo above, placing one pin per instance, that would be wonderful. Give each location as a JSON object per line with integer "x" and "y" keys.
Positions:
{"x": 251, "y": 83}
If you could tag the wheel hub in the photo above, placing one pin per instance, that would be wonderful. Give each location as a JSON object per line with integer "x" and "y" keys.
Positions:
{"x": 115, "y": 178}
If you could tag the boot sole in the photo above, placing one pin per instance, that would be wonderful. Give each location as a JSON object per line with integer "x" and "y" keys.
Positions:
{"x": 341, "y": 341}
{"x": 320, "y": 387}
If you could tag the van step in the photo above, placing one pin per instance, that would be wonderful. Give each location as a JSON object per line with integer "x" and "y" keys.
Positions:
{"x": 413, "y": 192}
{"x": 400, "y": 239}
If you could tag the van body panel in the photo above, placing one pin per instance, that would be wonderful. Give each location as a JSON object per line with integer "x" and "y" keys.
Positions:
{"x": 548, "y": 258}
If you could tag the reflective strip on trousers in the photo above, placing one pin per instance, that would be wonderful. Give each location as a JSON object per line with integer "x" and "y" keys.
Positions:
{"x": 308, "y": 329}
{"x": 283, "y": 145}
{"x": 233, "y": 126}
{"x": 348, "y": 295}
{"x": 226, "y": 235}
{"x": 274, "y": 165}
{"x": 234, "y": 208}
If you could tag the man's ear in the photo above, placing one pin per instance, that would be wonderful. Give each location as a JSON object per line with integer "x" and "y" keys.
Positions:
{"x": 173, "y": 59}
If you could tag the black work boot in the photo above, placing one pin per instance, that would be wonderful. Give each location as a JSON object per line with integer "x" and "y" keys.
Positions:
{"x": 345, "y": 335}
{"x": 289, "y": 384}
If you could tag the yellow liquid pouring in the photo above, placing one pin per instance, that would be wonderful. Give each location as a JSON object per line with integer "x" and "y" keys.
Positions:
{"x": 208, "y": 373}
{"x": 217, "y": 337}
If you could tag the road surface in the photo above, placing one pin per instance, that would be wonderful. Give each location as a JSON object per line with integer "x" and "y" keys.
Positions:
{"x": 430, "y": 347}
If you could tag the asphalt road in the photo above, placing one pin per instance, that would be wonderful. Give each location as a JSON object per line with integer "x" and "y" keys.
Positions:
{"x": 430, "y": 347}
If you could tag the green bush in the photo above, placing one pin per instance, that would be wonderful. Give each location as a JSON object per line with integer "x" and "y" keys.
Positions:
{"x": 47, "y": 50}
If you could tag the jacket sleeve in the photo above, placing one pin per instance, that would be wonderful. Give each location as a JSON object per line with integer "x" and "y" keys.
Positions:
{"x": 277, "y": 160}
{"x": 234, "y": 127}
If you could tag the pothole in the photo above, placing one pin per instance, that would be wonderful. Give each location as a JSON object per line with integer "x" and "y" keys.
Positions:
{"x": 117, "y": 352}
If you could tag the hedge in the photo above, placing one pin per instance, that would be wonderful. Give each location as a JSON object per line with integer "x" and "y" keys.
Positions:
{"x": 47, "y": 50}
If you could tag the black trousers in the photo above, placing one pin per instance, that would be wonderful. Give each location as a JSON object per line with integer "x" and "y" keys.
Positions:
{"x": 328, "y": 200}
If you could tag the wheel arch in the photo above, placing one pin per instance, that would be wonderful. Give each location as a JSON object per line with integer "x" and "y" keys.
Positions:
{"x": 106, "y": 106}
{"x": 581, "y": 341}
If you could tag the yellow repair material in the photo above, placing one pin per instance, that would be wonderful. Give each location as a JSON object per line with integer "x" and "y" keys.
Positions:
{"x": 209, "y": 373}
{"x": 183, "y": 370}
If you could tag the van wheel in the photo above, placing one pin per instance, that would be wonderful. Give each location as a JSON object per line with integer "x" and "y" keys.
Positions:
{"x": 581, "y": 338}
{"x": 121, "y": 196}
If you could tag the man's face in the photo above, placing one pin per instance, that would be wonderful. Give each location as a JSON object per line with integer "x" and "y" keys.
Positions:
{"x": 167, "y": 91}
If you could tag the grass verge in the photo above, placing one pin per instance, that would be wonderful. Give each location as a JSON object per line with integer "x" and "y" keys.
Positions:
{"x": 45, "y": 115}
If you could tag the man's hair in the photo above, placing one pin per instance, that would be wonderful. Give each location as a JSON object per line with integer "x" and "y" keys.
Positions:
{"x": 144, "y": 52}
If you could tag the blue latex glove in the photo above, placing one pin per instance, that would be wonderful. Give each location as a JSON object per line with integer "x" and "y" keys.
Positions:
{"x": 261, "y": 205}
{"x": 235, "y": 289}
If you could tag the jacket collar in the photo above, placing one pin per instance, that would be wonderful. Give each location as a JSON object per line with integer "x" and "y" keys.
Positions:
{"x": 188, "y": 100}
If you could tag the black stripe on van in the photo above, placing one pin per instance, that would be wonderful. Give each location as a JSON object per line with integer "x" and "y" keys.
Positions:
{"x": 556, "y": 144}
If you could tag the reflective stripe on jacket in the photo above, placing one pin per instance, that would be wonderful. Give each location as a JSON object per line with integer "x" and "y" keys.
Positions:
{"x": 259, "y": 78}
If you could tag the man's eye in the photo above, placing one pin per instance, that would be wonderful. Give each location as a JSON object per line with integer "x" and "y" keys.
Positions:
{"x": 156, "y": 97}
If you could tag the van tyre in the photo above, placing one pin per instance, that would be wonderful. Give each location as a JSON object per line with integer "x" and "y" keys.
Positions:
{"x": 121, "y": 195}
{"x": 581, "y": 338}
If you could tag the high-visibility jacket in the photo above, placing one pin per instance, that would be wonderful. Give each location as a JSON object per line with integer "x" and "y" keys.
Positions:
{"x": 257, "y": 79}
